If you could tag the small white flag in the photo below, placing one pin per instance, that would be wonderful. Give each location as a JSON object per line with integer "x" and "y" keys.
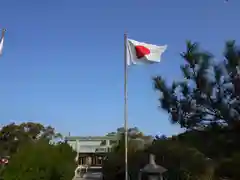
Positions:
{"x": 2, "y": 41}
{"x": 142, "y": 53}
{"x": 1, "y": 45}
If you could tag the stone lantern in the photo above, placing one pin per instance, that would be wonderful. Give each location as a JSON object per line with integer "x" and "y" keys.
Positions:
{"x": 152, "y": 171}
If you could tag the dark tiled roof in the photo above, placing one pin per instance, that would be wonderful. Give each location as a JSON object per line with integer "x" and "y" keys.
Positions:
{"x": 90, "y": 138}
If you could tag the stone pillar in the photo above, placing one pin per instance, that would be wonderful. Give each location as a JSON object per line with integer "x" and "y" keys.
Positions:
{"x": 108, "y": 143}
{"x": 78, "y": 146}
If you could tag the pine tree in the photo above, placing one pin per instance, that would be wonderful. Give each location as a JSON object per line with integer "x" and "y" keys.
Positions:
{"x": 209, "y": 93}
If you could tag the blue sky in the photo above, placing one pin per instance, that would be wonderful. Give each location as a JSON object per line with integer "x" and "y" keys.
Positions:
{"x": 63, "y": 59}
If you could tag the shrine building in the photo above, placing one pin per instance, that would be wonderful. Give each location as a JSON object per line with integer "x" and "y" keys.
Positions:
{"x": 91, "y": 149}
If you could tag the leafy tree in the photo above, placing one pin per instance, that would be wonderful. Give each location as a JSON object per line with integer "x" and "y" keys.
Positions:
{"x": 170, "y": 154}
{"x": 181, "y": 160}
{"x": 113, "y": 166}
{"x": 41, "y": 160}
{"x": 121, "y": 130}
{"x": 208, "y": 94}
{"x": 13, "y": 135}
{"x": 214, "y": 143}
{"x": 136, "y": 140}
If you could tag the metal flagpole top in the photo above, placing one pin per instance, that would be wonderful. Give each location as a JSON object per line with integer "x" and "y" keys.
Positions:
{"x": 3, "y": 31}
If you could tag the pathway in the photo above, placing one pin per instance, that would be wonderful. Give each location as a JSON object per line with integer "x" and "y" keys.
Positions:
{"x": 90, "y": 176}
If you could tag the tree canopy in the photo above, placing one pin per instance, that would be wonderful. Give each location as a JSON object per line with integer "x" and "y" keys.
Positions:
{"x": 206, "y": 102}
{"x": 137, "y": 139}
{"x": 209, "y": 92}
{"x": 33, "y": 155}
{"x": 41, "y": 160}
{"x": 170, "y": 153}
{"x": 13, "y": 135}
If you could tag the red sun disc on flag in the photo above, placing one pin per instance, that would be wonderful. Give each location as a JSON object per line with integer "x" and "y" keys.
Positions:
{"x": 141, "y": 51}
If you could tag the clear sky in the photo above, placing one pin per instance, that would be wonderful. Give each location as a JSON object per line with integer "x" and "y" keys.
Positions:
{"x": 63, "y": 59}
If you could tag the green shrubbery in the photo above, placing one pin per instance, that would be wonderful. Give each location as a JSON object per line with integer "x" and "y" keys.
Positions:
{"x": 40, "y": 160}
{"x": 32, "y": 156}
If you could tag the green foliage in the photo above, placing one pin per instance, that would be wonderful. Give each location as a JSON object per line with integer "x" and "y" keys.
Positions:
{"x": 170, "y": 153}
{"x": 229, "y": 168}
{"x": 209, "y": 92}
{"x": 29, "y": 141}
{"x": 13, "y": 135}
{"x": 40, "y": 160}
{"x": 215, "y": 142}
{"x": 206, "y": 102}
{"x": 113, "y": 166}
{"x": 181, "y": 160}
{"x": 136, "y": 140}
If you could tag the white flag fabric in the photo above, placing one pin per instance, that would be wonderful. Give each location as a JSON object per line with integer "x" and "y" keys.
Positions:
{"x": 1, "y": 45}
{"x": 143, "y": 53}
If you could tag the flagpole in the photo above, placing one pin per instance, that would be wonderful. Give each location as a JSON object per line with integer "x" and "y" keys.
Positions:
{"x": 125, "y": 106}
